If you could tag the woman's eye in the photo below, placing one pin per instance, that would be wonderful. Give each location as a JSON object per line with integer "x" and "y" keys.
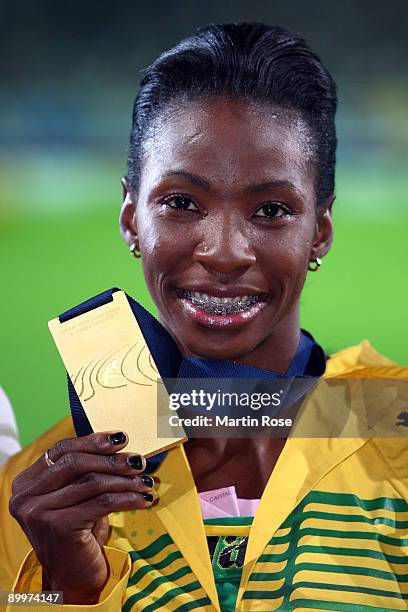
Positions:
{"x": 272, "y": 210}
{"x": 180, "y": 202}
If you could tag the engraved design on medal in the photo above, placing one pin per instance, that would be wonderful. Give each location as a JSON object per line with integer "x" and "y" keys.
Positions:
{"x": 129, "y": 364}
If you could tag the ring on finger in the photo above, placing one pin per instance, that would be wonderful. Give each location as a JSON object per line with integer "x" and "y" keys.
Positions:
{"x": 48, "y": 461}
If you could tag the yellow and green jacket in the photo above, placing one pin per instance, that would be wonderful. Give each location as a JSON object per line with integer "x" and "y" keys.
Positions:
{"x": 331, "y": 531}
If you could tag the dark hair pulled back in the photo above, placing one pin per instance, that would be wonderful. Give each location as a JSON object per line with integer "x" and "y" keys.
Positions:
{"x": 251, "y": 61}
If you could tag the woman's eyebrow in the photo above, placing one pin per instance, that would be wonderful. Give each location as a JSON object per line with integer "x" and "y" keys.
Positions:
{"x": 257, "y": 187}
{"x": 193, "y": 178}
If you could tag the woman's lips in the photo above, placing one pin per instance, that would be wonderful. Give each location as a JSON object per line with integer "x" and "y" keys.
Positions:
{"x": 231, "y": 320}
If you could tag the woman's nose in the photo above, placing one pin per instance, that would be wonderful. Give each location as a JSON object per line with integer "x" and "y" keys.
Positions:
{"x": 224, "y": 249}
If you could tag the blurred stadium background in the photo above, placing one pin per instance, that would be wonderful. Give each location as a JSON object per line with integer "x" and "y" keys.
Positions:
{"x": 70, "y": 72}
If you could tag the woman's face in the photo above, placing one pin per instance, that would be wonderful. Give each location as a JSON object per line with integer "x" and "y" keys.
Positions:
{"x": 226, "y": 222}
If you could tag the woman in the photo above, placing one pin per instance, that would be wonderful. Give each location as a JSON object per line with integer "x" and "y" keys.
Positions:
{"x": 228, "y": 201}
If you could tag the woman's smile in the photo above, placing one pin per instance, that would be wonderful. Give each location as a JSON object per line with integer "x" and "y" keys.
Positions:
{"x": 222, "y": 307}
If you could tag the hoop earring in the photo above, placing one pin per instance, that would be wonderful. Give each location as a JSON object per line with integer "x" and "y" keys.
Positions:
{"x": 134, "y": 250}
{"x": 317, "y": 263}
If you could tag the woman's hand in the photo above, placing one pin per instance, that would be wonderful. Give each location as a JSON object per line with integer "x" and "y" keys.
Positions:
{"x": 63, "y": 509}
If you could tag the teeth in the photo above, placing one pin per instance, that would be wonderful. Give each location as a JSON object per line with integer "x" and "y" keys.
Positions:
{"x": 217, "y": 305}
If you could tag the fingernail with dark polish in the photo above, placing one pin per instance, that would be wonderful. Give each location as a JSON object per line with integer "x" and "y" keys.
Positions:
{"x": 148, "y": 497}
{"x": 117, "y": 438}
{"x": 147, "y": 480}
{"x": 136, "y": 462}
